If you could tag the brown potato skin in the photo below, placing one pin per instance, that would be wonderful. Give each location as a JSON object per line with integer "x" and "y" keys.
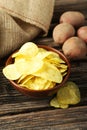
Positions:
{"x": 74, "y": 48}
{"x": 62, "y": 32}
{"x": 82, "y": 33}
{"x": 74, "y": 18}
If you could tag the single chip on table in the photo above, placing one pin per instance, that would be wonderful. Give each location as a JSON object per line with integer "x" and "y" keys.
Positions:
{"x": 68, "y": 94}
{"x": 54, "y": 103}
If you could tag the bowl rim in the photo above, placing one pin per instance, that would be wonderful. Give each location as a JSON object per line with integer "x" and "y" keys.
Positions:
{"x": 49, "y": 48}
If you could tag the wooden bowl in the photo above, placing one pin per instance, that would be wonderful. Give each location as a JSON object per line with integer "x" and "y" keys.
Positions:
{"x": 47, "y": 92}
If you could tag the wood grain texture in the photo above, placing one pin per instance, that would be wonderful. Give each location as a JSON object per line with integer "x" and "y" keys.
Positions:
{"x": 19, "y": 112}
{"x": 46, "y": 120}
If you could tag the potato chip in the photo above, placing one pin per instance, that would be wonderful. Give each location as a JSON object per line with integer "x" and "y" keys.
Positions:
{"x": 37, "y": 83}
{"x": 68, "y": 94}
{"x": 64, "y": 73}
{"x": 62, "y": 70}
{"x": 11, "y": 72}
{"x": 29, "y": 49}
{"x": 21, "y": 78}
{"x": 42, "y": 54}
{"x": 54, "y": 57}
{"x": 22, "y": 66}
{"x": 28, "y": 67}
{"x": 19, "y": 58}
{"x": 53, "y": 61}
{"x": 54, "y": 103}
{"x": 49, "y": 85}
{"x": 50, "y": 56}
{"x": 53, "y": 54}
{"x": 28, "y": 83}
{"x": 63, "y": 106}
{"x": 62, "y": 66}
{"x": 24, "y": 78}
{"x": 42, "y": 50}
{"x": 49, "y": 72}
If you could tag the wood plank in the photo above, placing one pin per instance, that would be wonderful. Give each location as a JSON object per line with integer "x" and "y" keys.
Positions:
{"x": 19, "y": 112}
{"x": 14, "y": 104}
{"x": 19, "y": 104}
{"x": 72, "y": 118}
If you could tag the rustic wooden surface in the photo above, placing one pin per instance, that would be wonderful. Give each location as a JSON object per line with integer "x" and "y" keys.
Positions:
{"x": 18, "y": 112}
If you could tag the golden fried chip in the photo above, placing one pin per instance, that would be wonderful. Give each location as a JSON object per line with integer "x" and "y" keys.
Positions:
{"x": 68, "y": 94}
{"x": 11, "y": 72}
{"x": 54, "y": 57}
{"x": 24, "y": 78}
{"x": 40, "y": 83}
{"x": 63, "y": 106}
{"x": 29, "y": 83}
{"x": 49, "y": 85}
{"x": 64, "y": 66}
{"x": 42, "y": 54}
{"x": 29, "y": 49}
{"x": 62, "y": 70}
{"x": 42, "y": 50}
{"x": 22, "y": 66}
{"x": 64, "y": 73}
{"x": 28, "y": 67}
{"x": 37, "y": 83}
{"x": 49, "y": 72}
{"x": 21, "y": 78}
{"x": 54, "y": 103}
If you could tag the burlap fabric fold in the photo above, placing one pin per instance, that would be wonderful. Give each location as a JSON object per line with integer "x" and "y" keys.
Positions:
{"x": 22, "y": 21}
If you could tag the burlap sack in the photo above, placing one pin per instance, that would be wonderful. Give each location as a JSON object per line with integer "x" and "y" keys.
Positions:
{"x": 22, "y": 21}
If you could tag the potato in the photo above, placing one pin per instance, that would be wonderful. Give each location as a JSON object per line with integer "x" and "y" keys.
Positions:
{"x": 74, "y": 48}
{"x": 74, "y": 18}
{"x": 82, "y": 33}
{"x": 62, "y": 32}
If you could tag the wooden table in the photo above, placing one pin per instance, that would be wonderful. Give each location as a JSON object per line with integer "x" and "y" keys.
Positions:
{"x": 18, "y": 112}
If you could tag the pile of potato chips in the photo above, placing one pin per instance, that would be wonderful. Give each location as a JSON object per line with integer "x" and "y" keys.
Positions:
{"x": 36, "y": 68}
